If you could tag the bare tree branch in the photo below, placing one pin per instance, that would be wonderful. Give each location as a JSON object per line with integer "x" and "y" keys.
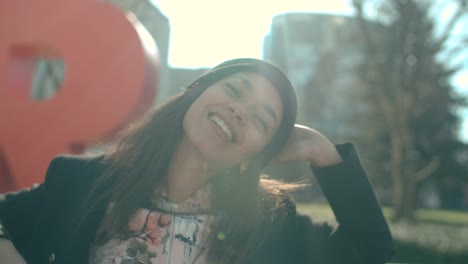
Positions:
{"x": 358, "y": 5}
{"x": 428, "y": 170}
{"x": 451, "y": 24}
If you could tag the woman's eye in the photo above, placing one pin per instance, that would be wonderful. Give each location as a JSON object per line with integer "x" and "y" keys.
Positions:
{"x": 234, "y": 90}
{"x": 262, "y": 123}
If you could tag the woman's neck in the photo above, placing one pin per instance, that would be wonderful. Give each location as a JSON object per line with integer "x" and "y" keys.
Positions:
{"x": 187, "y": 172}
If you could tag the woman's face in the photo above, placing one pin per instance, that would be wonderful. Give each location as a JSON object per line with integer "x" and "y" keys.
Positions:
{"x": 234, "y": 119}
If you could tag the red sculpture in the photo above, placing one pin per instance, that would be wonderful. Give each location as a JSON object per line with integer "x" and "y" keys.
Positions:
{"x": 110, "y": 78}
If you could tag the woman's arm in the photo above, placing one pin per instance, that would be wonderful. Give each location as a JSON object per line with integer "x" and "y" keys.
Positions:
{"x": 363, "y": 235}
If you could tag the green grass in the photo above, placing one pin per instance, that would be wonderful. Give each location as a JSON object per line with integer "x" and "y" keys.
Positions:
{"x": 323, "y": 211}
{"x": 437, "y": 236}
{"x": 442, "y": 216}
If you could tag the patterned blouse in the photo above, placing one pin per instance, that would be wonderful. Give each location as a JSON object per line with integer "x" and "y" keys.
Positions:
{"x": 167, "y": 233}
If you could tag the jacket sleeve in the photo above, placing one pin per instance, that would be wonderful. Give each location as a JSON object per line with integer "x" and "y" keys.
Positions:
{"x": 20, "y": 210}
{"x": 362, "y": 235}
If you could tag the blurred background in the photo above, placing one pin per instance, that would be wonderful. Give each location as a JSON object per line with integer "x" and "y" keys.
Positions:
{"x": 389, "y": 75}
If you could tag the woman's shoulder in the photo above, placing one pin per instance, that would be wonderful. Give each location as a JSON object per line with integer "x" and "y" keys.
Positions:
{"x": 68, "y": 168}
{"x": 79, "y": 159}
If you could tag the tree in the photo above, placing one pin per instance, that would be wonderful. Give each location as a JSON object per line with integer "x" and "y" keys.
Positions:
{"x": 409, "y": 87}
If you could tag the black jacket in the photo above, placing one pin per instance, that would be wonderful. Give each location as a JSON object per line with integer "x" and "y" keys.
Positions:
{"x": 46, "y": 222}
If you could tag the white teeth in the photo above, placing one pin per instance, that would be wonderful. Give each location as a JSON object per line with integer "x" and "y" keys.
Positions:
{"x": 223, "y": 126}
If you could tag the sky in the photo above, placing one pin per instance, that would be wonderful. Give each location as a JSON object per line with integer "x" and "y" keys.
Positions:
{"x": 228, "y": 29}
{"x": 207, "y": 32}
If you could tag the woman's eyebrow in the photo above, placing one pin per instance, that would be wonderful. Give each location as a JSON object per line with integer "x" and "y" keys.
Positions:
{"x": 245, "y": 81}
{"x": 266, "y": 107}
{"x": 270, "y": 111}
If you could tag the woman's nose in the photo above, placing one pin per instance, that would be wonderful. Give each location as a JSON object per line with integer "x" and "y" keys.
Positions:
{"x": 239, "y": 112}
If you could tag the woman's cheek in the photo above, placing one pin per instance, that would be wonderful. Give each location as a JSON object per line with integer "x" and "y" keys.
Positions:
{"x": 256, "y": 142}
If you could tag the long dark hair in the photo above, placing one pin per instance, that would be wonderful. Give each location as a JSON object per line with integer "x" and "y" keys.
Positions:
{"x": 139, "y": 164}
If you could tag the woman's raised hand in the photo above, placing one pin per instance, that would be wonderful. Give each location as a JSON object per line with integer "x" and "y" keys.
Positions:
{"x": 307, "y": 144}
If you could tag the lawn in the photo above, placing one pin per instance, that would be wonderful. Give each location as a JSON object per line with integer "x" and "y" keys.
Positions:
{"x": 437, "y": 236}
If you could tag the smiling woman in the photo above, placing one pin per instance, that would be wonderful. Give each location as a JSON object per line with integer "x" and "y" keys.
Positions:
{"x": 185, "y": 185}
{"x": 233, "y": 119}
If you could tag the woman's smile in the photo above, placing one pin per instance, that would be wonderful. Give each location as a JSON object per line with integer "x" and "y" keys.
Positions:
{"x": 222, "y": 127}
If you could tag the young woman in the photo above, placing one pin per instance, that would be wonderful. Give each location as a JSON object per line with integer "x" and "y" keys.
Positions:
{"x": 184, "y": 186}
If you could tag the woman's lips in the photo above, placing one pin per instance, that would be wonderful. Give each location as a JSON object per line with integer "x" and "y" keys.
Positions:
{"x": 223, "y": 127}
{"x": 220, "y": 131}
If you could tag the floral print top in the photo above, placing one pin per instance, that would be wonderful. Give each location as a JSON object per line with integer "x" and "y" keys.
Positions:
{"x": 167, "y": 233}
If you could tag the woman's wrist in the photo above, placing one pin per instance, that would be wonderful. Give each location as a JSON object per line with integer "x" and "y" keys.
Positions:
{"x": 325, "y": 157}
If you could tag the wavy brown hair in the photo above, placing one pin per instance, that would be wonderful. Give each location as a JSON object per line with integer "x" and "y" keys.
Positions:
{"x": 138, "y": 165}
